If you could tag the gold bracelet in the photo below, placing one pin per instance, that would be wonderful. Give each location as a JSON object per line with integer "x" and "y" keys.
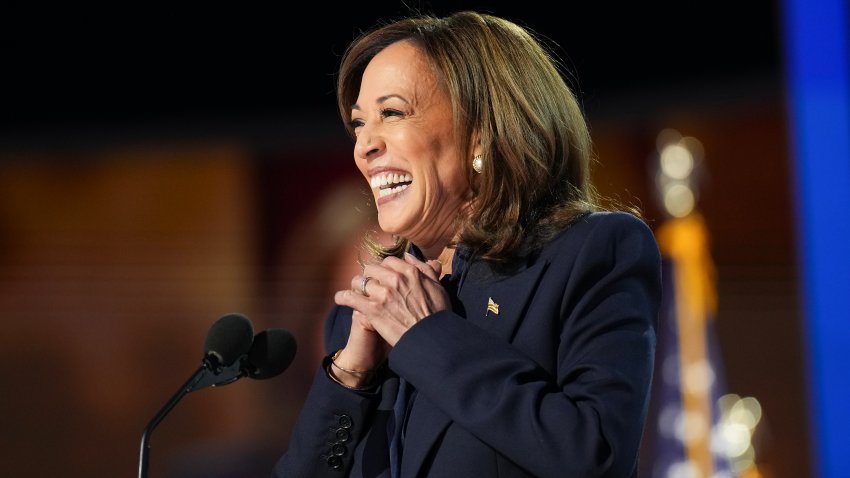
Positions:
{"x": 356, "y": 373}
{"x": 335, "y": 379}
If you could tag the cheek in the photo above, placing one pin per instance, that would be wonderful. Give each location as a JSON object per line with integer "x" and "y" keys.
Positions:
{"x": 453, "y": 180}
{"x": 361, "y": 166}
{"x": 445, "y": 170}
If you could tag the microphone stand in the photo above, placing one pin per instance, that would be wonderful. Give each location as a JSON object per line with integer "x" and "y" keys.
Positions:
{"x": 187, "y": 387}
{"x": 200, "y": 379}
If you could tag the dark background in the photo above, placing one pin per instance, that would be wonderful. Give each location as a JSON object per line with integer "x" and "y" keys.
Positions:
{"x": 195, "y": 62}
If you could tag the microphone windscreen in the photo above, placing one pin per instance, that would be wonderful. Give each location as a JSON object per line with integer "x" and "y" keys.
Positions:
{"x": 272, "y": 352}
{"x": 229, "y": 338}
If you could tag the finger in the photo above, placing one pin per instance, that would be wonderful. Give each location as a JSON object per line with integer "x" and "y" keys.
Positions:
{"x": 431, "y": 269}
{"x": 351, "y": 299}
{"x": 436, "y": 266}
{"x": 360, "y": 283}
{"x": 387, "y": 274}
{"x": 395, "y": 273}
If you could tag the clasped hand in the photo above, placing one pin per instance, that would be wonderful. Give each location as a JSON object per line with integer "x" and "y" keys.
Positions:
{"x": 396, "y": 294}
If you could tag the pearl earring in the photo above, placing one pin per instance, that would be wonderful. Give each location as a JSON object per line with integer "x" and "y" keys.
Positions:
{"x": 477, "y": 163}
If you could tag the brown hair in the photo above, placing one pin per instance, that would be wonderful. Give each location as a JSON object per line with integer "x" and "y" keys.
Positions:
{"x": 506, "y": 86}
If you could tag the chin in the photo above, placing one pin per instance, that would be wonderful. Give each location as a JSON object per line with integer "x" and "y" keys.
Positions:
{"x": 391, "y": 229}
{"x": 393, "y": 223}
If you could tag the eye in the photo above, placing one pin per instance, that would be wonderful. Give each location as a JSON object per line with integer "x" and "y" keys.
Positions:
{"x": 388, "y": 112}
{"x": 355, "y": 123}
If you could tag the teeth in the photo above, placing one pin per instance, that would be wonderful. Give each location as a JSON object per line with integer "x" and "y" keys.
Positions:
{"x": 388, "y": 191}
{"x": 389, "y": 179}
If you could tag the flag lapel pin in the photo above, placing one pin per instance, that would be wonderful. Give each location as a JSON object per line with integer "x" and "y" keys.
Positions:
{"x": 492, "y": 307}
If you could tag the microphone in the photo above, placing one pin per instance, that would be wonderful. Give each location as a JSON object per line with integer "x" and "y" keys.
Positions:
{"x": 230, "y": 353}
{"x": 272, "y": 351}
{"x": 228, "y": 339}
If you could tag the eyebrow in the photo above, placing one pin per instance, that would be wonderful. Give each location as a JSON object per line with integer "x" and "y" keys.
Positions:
{"x": 381, "y": 99}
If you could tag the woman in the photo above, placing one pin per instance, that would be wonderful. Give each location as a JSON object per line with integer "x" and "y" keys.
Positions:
{"x": 510, "y": 331}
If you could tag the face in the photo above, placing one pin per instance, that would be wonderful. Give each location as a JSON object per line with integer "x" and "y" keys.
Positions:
{"x": 407, "y": 149}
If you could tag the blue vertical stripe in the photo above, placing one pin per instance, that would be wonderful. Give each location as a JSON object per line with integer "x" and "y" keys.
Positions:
{"x": 816, "y": 47}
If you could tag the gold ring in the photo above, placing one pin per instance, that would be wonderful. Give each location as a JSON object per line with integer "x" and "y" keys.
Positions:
{"x": 363, "y": 282}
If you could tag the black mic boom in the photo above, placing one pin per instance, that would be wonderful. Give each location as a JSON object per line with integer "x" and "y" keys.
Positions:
{"x": 231, "y": 352}
{"x": 228, "y": 339}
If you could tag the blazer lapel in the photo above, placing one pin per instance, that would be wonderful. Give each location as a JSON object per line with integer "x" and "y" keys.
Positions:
{"x": 497, "y": 303}
{"x": 429, "y": 423}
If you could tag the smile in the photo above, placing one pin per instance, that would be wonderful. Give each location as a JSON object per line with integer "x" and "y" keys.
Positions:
{"x": 390, "y": 183}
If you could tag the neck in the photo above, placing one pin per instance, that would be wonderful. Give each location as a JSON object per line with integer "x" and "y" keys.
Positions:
{"x": 443, "y": 254}
{"x": 434, "y": 249}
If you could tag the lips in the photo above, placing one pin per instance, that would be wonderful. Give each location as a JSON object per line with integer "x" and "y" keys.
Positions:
{"x": 389, "y": 183}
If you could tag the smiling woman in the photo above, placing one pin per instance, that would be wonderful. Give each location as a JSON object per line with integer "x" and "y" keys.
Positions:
{"x": 406, "y": 142}
{"x": 510, "y": 329}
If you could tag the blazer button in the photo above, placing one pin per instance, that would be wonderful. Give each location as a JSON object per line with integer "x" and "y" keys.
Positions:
{"x": 342, "y": 435}
{"x": 345, "y": 421}
{"x": 338, "y": 449}
{"x": 335, "y": 462}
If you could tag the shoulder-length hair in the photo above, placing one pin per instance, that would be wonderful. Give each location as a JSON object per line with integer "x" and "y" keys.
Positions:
{"x": 505, "y": 86}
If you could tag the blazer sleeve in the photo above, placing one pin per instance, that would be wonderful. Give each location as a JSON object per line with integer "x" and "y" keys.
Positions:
{"x": 585, "y": 417}
{"x": 334, "y": 420}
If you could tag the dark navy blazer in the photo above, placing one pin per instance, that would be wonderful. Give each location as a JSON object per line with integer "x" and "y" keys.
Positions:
{"x": 554, "y": 385}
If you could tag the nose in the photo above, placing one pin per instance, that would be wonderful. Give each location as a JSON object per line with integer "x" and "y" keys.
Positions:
{"x": 369, "y": 143}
